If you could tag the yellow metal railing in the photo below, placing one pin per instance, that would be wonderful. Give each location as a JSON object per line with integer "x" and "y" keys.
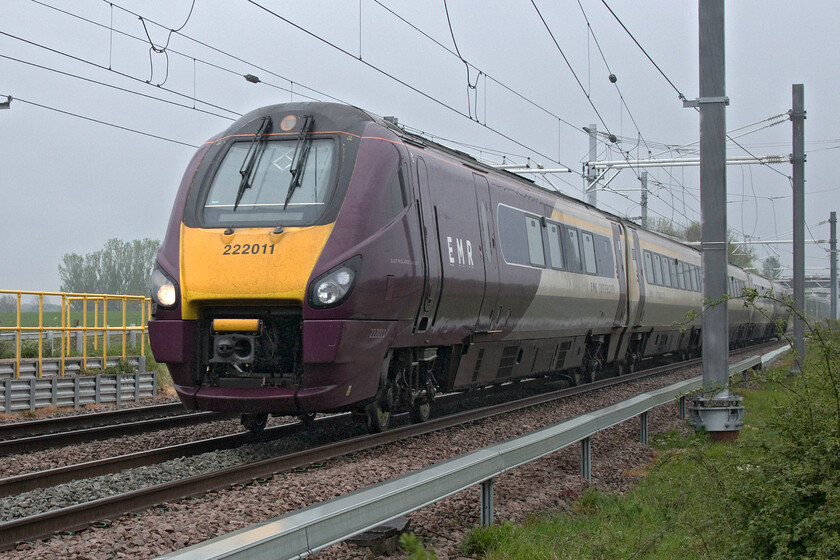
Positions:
{"x": 89, "y": 316}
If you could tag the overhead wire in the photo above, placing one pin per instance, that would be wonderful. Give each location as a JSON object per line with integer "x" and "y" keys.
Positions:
{"x": 102, "y": 67}
{"x": 106, "y": 123}
{"x": 487, "y": 76}
{"x": 112, "y": 86}
{"x": 403, "y": 82}
{"x": 470, "y": 85}
{"x": 667, "y": 79}
{"x": 238, "y": 59}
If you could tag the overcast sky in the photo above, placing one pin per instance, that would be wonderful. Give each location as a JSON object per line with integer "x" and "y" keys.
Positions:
{"x": 68, "y": 183}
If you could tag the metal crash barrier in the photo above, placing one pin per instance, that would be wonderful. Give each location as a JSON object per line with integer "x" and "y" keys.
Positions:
{"x": 55, "y": 333}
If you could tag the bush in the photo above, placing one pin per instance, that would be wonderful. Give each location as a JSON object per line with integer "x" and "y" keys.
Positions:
{"x": 790, "y": 501}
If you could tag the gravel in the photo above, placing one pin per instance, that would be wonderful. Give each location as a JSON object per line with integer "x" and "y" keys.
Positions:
{"x": 548, "y": 483}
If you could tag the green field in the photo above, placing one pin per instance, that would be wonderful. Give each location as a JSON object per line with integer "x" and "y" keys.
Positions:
{"x": 53, "y": 319}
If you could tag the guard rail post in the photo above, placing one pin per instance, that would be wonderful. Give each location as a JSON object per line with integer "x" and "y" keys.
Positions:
{"x": 586, "y": 459}
{"x": 486, "y": 502}
{"x": 643, "y": 428}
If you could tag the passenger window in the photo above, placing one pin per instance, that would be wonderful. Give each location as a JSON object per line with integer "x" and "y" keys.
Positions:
{"x": 672, "y": 267}
{"x": 666, "y": 271}
{"x": 657, "y": 270}
{"x": 680, "y": 275}
{"x": 535, "y": 241}
{"x": 648, "y": 267}
{"x": 588, "y": 253}
{"x": 574, "y": 250}
{"x": 555, "y": 249}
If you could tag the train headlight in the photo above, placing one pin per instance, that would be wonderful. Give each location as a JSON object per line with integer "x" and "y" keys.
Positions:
{"x": 332, "y": 288}
{"x": 164, "y": 291}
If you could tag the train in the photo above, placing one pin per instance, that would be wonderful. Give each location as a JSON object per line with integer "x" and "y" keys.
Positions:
{"x": 320, "y": 258}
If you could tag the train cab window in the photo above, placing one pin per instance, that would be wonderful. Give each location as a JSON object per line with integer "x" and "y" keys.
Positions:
{"x": 271, "y": 196}
{"x": 649, "y": 267}
{"x": 555, "y": 248}
{"x": 657, "y": 270}
{"x": 535, "y": 241}
{"x": 573, "y": 253}
{"x": 666, "y": 271}
{"x": 680, "y": 275}
{"x": 588, "y": 253}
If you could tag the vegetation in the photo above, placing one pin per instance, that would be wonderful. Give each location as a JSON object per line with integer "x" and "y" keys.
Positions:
{"x": 739, "y": 255}
{"x": 775, "y": 493}
{"x": 771, "y": 267}
{"x": 120, "y": 267}
{"x": 414, "y": 548}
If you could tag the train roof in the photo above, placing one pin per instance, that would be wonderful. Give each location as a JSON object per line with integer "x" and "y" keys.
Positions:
{"x": 344, "y": 116}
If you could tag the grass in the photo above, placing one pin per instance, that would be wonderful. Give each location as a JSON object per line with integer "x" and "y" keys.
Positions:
{"x": 679, "y": 509}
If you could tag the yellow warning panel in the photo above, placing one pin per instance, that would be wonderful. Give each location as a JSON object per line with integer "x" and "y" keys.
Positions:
{"x": 236, "y": 325}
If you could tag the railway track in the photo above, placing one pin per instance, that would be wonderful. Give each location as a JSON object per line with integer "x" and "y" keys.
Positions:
{"x": 90, "y": 431}
{"x": 82, "y": 515}
{"x": 68, "y": 423}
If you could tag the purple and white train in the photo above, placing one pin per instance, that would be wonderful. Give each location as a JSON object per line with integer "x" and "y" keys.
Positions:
{"x": 319, "y": 258}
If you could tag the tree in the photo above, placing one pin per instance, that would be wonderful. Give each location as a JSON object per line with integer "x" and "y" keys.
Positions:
{"x": 739, "y": 255}
{"x": 771, "y": 267}
{"x": 120, "y": 267}
{"x": 8, "y": 304}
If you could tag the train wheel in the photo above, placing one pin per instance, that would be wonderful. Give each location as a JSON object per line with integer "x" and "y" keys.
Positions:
{"x": 420, "y": 411}
{"x": 254, "y": 423}
{"x": 379, "y": 411}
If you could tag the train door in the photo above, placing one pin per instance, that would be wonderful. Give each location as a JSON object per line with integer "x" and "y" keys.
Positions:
{"x": 459, "y": 237}
{"x": 618, "y": 243}
{"x": 488, "y": 317}
{"x": 431, "y": 256}
{"x": 637, "y": 300}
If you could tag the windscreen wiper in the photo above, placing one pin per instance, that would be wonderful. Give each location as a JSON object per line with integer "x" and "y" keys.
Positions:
{"x": 299, "y": 158}
{"x": 249, "y": 164}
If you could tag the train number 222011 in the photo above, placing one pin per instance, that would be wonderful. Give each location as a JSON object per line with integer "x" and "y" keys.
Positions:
{"x": 249, "y": 249}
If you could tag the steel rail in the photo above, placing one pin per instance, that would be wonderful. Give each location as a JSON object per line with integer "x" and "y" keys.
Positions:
{"x": 80, "y": 516}
{"x": 52, "y": 440}
{"x": 76, "y": 421}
